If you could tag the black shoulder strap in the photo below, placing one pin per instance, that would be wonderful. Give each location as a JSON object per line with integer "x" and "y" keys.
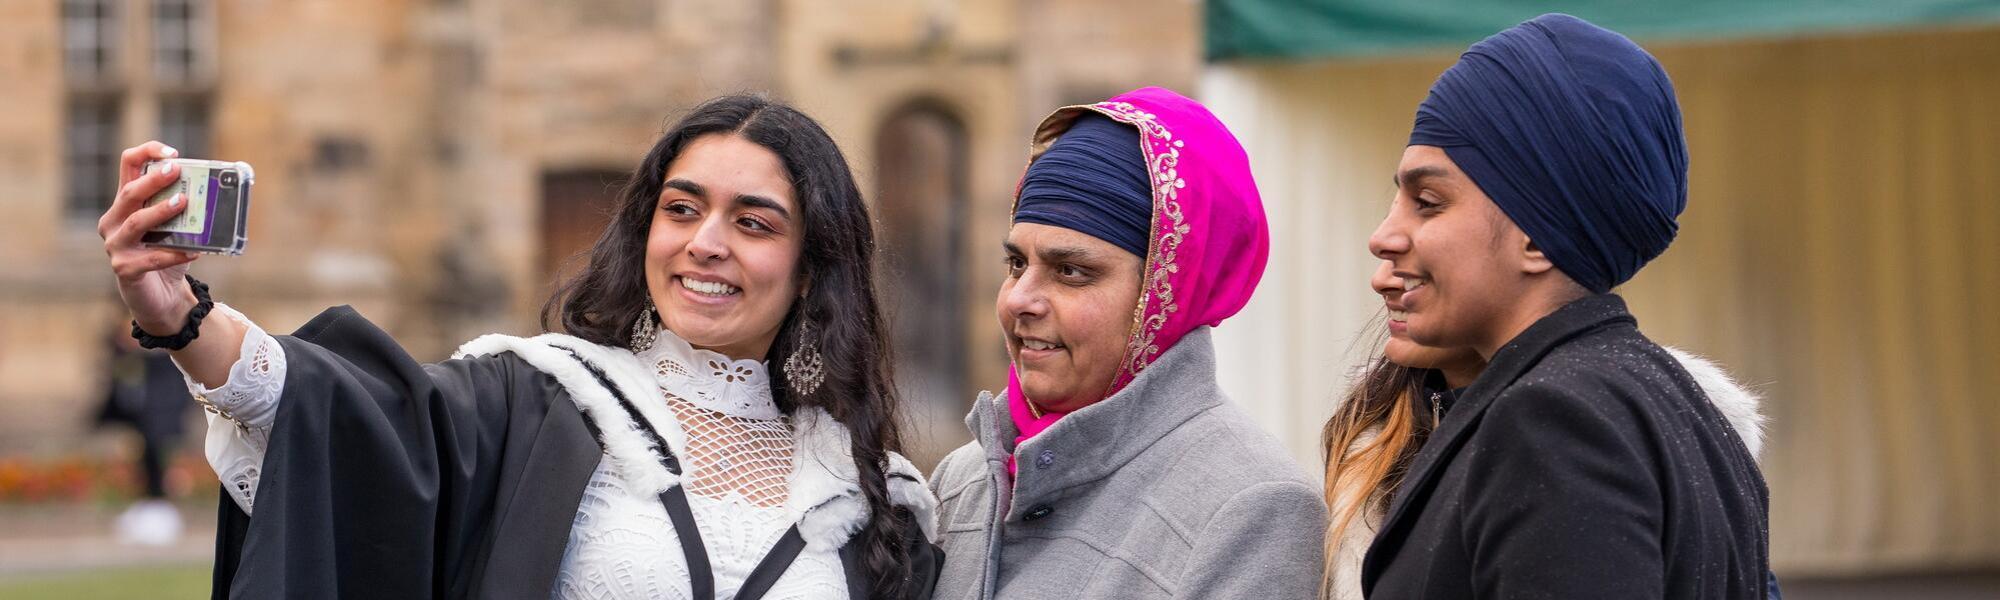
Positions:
{"x": 774, "y": 565}
{"x": 701, "y": 575}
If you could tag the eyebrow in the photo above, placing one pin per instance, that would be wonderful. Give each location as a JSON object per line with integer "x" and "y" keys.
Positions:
{"x": 755, "y": 201}
{"x": 1056, "y": 254}
{"x": 687, "y": 186}
{"x": 1067, "y": 254}
{"x": 750, "y": 200}
{"x": 1415, "y": 174}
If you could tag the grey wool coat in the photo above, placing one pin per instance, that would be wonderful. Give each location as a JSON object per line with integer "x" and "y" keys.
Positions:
{"x": 1163, "y": 490}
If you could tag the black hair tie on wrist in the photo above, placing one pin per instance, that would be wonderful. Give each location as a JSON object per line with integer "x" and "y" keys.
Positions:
{"x": 189, "y": 332}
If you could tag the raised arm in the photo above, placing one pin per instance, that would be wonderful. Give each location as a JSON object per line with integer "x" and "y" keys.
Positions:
{"x": 153, "y": 281}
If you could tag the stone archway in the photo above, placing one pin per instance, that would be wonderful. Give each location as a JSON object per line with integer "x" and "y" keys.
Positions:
{"x": 922, "y": 162}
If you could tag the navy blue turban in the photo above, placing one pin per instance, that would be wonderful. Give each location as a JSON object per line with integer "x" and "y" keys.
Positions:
{"x": 1092, "y": 180}
{"x": 1574, "y": 132}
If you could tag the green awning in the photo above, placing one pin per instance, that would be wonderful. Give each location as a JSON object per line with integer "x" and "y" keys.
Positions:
{"x": 1304, "y": 29}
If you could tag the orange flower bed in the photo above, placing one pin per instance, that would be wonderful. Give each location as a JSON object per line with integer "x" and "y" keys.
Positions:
{"x": 69, "y": 479}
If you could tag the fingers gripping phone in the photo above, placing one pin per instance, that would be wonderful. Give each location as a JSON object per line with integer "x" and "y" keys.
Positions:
{"x": 218, "y": 206}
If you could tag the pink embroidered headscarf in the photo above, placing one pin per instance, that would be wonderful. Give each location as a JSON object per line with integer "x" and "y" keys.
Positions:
{"x": 1209, "y": 240}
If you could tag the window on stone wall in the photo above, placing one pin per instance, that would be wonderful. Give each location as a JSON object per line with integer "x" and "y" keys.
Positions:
{"x": 178, "y": 50}
{"x": 93, "y": 107}
{"x": 90, "y": 156}
{"x": 184, "y": 123}
{"x": 90, "y": 39}
{"x": 98, "y": 92}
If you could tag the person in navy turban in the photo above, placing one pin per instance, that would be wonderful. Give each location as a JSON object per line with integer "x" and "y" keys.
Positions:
{"x": 1546, "y": 167}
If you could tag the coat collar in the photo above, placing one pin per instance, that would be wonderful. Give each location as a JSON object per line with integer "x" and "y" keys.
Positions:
{"x": 1512, "y": 361}
{"x": 1096, "y": 440}
{"x": 824, "y": 493}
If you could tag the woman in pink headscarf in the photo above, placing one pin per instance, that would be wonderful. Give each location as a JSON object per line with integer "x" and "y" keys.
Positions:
{"x": 1113, "y": 467}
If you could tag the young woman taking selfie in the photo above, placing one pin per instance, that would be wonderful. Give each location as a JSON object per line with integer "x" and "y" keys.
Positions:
{"x": 716, "y": 422}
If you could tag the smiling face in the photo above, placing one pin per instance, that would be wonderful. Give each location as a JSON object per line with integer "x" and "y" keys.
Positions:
{"x": 1463, "y": 265}
{"x": 723, "y": 250}
{"x": 1066, "y": 311}
{"x": 1460, "y": 365}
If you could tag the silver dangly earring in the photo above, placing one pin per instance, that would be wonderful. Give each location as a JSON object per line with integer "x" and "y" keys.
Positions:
{"x": 644, "y": 331}
{"x": 804, "y": 369}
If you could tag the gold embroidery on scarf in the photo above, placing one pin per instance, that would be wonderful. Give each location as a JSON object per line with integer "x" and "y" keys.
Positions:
{"x": 1163, "y": 156}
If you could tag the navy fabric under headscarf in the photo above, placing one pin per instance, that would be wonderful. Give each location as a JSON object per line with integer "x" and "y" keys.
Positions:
{"x": 1574, "y": 132}
{"x": 1092, "y": 180}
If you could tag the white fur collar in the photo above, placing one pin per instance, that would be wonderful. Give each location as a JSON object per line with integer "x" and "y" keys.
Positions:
{"x": 824, "y": 494}
{"x": 1736, "y": 403}
{"x": 631, "y": 454}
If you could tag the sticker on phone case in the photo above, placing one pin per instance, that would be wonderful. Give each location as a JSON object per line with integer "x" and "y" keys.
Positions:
{"x": 198, "y": 182}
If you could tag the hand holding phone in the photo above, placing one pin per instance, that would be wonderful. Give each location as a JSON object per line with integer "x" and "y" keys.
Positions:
{"x": 218, "y": 206}
{"x": 151, "y": 280}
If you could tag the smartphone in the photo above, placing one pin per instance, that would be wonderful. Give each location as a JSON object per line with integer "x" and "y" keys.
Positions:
{"x": 218, "y": 206}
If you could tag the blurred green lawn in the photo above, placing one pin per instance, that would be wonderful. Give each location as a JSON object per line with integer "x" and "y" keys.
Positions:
{"x": 181, "y": 582}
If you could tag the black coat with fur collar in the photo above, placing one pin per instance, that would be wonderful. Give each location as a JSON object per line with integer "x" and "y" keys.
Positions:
{"x": 1584, "y": 463}
{"x": 386, "y": 478}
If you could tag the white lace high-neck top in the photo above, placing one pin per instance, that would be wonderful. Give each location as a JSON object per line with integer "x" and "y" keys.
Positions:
{"x": 751, "y": 473}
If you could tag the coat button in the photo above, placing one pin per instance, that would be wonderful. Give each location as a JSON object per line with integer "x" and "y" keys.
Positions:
{"x": 1038, "y": 512}
{"x": 1046, "y": 459}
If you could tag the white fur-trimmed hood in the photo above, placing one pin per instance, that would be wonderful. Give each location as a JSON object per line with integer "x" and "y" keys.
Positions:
{"x": 631, "y": 455}
{"x": 824, "y": 494}
{"x": 1736, "y": 403}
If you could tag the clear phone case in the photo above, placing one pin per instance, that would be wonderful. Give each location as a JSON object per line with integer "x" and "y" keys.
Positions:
{"x": 218, "y": 212}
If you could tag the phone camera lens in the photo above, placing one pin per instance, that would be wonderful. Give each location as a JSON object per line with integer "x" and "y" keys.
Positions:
{"x": 227, "y": 179}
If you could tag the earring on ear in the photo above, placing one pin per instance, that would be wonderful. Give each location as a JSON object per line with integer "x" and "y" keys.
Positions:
{"x": 805, "y": 369}
{"x": 646, "y": 329}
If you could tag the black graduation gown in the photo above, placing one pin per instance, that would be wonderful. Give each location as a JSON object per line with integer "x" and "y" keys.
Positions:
{"x": 386, "y": 478}
{"x": 1583, "y": 463}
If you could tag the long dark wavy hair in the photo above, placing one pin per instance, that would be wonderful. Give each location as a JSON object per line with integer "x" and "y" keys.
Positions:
{"x": 604, "y": 301}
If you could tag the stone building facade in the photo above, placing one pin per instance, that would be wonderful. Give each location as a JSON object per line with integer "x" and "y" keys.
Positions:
{"x": 434, "y": 162}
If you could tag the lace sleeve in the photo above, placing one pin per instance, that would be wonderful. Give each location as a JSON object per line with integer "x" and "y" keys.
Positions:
{"x": 242, "y": 409}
